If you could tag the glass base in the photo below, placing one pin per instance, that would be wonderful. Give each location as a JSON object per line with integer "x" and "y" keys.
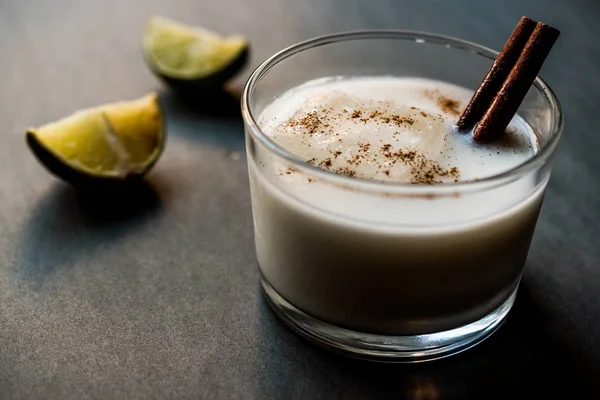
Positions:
{"x": 384, "y": 348}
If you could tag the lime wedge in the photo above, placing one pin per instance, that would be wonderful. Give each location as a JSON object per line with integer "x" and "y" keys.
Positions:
{"x": 192, "y": 57}
{"x": 117, "y": 142}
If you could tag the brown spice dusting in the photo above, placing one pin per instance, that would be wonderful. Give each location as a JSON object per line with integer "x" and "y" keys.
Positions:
{"x": 310, "y": 122}
{"x": 288, "y": 171}
{"x": 326, "y": 163}
{"x": 345, "y": 171}
{"x": 398, "y": 120}
{"x": 407, "y": 162}
{"x": 448, "y": 105}
{"x": 422, "y": 169}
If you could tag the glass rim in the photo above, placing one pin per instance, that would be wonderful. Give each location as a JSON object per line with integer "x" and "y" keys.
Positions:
{"x": 408, "y": 35}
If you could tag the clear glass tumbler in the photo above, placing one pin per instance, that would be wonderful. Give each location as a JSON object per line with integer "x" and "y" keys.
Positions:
{"x": 397, "y": 289}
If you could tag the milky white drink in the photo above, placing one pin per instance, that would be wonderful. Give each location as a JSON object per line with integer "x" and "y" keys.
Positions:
{"x": 389, "y": 258}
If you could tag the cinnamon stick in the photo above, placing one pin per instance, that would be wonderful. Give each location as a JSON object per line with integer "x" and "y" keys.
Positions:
{"x": 483, "y": 97}
{"x": 517, "y": 84}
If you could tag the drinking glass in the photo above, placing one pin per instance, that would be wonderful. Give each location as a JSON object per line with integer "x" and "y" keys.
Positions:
{"x": 400, "y": 289}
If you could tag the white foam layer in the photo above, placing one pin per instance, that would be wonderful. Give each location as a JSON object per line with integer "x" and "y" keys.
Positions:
{"x": 350, "y": 120}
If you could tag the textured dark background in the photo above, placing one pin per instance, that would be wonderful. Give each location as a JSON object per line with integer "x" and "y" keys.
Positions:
{"x": 157, "y": 296}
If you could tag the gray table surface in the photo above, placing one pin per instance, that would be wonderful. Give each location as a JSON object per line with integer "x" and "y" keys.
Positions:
{"x": 157, "y": 296}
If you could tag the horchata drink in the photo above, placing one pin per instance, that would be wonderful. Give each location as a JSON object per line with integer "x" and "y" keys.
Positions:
{"x": 380, "y": 230}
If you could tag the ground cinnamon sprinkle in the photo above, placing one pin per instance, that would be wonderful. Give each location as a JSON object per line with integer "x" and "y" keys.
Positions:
{"x": 398, "y": 120}
{"x": 326, "y": 163}
{"x": 422, "y": 169}
{"x": 288, "y": 171}
{"x": 345, "y": 171}
{"x": 386, "y": 160}
{"x": 311, "y": 122}
{"x": 364, "y": 147}
{"x": 446, "y": 104}
{"x": 450, "y": 106}
{"x": 356, "y": 114}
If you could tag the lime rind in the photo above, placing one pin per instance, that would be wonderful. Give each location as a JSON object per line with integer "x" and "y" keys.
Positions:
{"x": 179, "y": 51}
